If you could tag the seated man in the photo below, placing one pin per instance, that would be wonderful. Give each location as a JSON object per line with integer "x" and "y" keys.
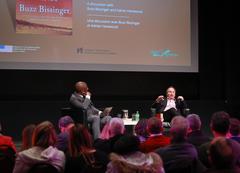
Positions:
{"x": 170, "y": 106}
{"x": 81, "y": 99}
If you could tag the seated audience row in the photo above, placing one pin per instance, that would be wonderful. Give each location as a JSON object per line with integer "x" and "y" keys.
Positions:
{"x": 185, "y": 149}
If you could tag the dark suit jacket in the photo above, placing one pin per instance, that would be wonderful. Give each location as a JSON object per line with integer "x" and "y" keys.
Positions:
{"x": 180, "y": 156}
{"x": 81, "y": 102}
{"x": 62, "y": 141}
{"x": 180, "y": 105}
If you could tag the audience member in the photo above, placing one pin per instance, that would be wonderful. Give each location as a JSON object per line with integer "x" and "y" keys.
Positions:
{"x": 64, "y": 124}
{"x": 141, "y": 130}
{"x": 221, "y": 156}
{"x": 219, "y": 125}
{"x": 114, "y": 131}
{"x": 7, "y": 153}
{"x": 81, "y": 99}
{"x": 195, "y": 135}
{"x": 82, "y": 157}
{"x": 42, "y": 150}
{"x": 27, "y": 136}
{"x": 234, "y": 129}
{"x": 6, "y": 140}
{"x": 170, "y": 106}
{"x": 127, "y": 158}
{"x": 180, "y": 156}
{"x": 156, "y": 138}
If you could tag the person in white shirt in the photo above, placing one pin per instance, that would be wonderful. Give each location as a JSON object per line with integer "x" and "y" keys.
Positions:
{"x": 170, "y": 106}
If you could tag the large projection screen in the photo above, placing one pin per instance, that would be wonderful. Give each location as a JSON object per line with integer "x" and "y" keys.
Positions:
{"x": 99, "y": 35}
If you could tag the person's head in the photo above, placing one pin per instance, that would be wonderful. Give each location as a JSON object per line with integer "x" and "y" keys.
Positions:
{"x": 171, "y": 92}
{"x": 221, "y": 154}
{"x": 194, "y": 122}
{"x": 81, "y": 87}
{"x": 27, "y": 134}
{"x": 116, "y": 127}
{"x": 234, "y": 127}
{"x": 179, "y": 128}
{"x": 154, "y": 125}
{"x": 80, "y": 140}
{"x": 220, "y": 123}
{"x": 65, "y": 123}
{"x": 141, "y": 128}
{"x": 126, "y": 144}
{"x": 44, "y": 135}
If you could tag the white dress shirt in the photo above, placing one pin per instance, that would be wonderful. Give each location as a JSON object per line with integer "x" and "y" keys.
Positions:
{"x": 170, "y": 104}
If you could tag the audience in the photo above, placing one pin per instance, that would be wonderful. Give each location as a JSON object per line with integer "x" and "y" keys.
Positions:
{"x": 156, "y": 138}
{"x": 82, "y": 157}
{"x": 128, "y": 159}
{"x": 221, "y": 156}
{"x": 180, "y": 156}
{"x": 141, "y": 130}
{"x": 195, "y": 135}
{"x": 64, "y": 124}
{"x": 42, "y": 150}
{"x": 187, "y": 149}
{"x": 27, "y": 136}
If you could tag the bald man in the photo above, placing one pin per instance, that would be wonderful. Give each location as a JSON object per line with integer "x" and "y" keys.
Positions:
{"x": 81, "y": 99}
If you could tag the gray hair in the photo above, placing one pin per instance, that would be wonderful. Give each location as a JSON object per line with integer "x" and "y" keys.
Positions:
{"x": 179, "y": 127}
{"x": 194, "y": 121}
{"x": 116, "y": 126}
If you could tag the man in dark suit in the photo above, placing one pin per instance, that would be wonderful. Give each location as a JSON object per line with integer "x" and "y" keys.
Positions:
{"x": 81, "y": 99}
{"x": 170, "y": 106}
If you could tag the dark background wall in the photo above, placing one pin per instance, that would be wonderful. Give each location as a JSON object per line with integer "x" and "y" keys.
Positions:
{"x": 28, "y": 96}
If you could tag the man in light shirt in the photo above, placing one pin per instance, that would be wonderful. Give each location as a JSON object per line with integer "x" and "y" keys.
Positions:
{"x": 170, "y": 106}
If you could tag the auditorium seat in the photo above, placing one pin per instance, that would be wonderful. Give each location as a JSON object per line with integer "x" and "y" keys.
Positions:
{"x": 78, "y": 115}
{"x": 43, "y": 168}
{"x": 7, "y": 159}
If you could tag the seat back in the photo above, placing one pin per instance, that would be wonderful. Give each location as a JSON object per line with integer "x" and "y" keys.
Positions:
{"x": 7, "y": 159}
{"x": 43, "y": 168}
{"x": 77, "y": 114}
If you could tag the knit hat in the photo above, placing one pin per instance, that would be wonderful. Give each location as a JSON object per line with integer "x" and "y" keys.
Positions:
{"x": 65, "y": 121}
{"x": 126, "y": 144}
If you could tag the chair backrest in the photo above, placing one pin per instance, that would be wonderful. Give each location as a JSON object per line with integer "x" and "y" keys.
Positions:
{"x": 7, "y": 159}
{"x": 77, "y": 114}
{"x": 43, "y": 168}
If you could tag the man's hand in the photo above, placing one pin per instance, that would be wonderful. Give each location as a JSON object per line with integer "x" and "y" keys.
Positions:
{"x": 180, "y": 98}
{"x": 88, "y": 93}
{"x": 100, "y": 112}
{"x": 160, "y": 98}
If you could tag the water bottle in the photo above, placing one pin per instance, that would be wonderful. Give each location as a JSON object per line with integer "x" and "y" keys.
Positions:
{"x": 137, "y": 115}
